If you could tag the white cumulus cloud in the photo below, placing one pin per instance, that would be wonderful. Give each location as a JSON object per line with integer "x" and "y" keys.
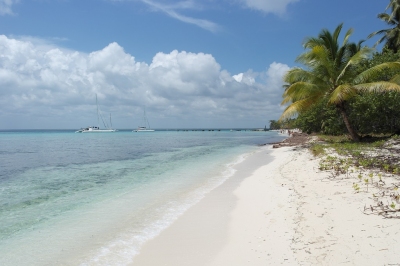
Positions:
{"x": 275, "y": 73}
{"x": 45, "y": 86}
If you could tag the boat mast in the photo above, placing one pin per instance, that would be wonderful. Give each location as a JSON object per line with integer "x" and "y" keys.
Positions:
{"x": 145, "y": 120}
{"x": 98, "y": 118}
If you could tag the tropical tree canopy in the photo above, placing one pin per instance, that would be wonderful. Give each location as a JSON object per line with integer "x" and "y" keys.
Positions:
{"x": 391, "y": 35}
{"x": 332, "y": 74}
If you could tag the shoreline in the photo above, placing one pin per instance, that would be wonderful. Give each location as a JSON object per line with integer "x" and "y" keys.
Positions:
{"x": 198, "y": 235}
{"x": 277, "y": 212}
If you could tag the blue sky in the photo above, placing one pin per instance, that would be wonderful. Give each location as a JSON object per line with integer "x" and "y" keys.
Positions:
{"x": 191, "y": 64}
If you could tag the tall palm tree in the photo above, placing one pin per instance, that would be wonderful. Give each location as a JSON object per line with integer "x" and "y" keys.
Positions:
{"x": 392, "y": 34}
{"x": 332, "y": 74}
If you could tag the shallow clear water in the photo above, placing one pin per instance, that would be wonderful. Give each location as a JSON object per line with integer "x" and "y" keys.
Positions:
{"x": 94, "y": 199}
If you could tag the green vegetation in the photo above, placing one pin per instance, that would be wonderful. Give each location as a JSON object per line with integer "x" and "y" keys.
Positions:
{"x": 357, "y": 154}
{"x": 370, "y": 113}
{"x": 349, "y": 93}
{"x": 283, "y": 124}
{"x": 345, "y": 87}
{"x": 334, "y": 76}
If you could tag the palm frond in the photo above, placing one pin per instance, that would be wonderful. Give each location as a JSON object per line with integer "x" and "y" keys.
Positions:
{"x": 347, "y": 36}
{"x": 301, "y": 90}
{"x": 376, "y": 70}
{"x": 342, "y": 93}
{"x": 298, "y": 106}
{"x": 296, "y": 91}
{"x": 330, "y": 40}
{"x": 377, "y": 87}
{"x": 336, "y": 32}
{"x": 383, "y": 16}
{"x": 387, "y": 19}
{"x": 297, "y": 74}
{"x": 394, "y": 5}
{"x": 379, "y": 32}
{"x": 310, "y": 42}
{"x": 395, "y": 79}
{"x": 322, "y": 56}
{"x": 380, "y": 40}
{"x": 355, "y": 59}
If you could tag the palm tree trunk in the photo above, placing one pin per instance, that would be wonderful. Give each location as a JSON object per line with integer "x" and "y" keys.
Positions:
{"x": 355, "y": 137}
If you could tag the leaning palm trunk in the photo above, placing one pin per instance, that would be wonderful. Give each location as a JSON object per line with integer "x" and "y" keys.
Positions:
{"x": 354, "y": 136}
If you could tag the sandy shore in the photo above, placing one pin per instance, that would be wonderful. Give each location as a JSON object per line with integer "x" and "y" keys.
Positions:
{"x": 284, "y": 212}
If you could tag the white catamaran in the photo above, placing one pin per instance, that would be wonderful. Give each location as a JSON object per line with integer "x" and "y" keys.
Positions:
{"x": 94, "y": 129}
{"x": 145, "y": 124}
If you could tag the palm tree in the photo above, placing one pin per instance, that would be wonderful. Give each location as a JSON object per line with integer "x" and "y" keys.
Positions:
{"x": 332, "y": 74}
{"x": 392, "y": 34}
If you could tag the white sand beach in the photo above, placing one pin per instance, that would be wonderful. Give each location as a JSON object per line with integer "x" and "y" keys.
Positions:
{"x": 285, "y": 212}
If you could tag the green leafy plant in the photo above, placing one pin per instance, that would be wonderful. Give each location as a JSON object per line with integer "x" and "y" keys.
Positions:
{"x": 366, "y": 180}
{"x": 386, "y": 167}
{"x": 371, "y": 176}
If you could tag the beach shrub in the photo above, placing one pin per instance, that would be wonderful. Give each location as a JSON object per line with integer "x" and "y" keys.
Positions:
{"x": 321, "y": 118}
{"x": 317, "y": 149}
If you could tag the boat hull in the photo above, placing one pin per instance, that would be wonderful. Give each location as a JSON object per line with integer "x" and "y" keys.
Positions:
{"x": 143, "y": 130}
{"x": 90, "y": 130}
{"x": 96, "y": 129}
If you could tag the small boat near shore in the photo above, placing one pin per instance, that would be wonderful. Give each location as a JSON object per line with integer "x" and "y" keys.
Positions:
{"x": 145, "y": 125}
{"x": 96, "y": 129}
{"x": 143, "y": 129}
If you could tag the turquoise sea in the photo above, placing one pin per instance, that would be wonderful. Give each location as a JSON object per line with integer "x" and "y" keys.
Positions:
{"x": 94, "y": 199}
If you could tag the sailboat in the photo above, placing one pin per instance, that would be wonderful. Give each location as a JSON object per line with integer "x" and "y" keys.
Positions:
{"x": 145, "y": 124}
{"x": 94, "y": 129}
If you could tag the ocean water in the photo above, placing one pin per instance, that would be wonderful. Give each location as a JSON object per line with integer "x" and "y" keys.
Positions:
{"x": 95, "y": 199}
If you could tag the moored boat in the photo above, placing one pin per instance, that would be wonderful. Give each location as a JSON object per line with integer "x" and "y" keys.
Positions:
{"x": 145, "y": 123}
{"x": 96, "y": 129}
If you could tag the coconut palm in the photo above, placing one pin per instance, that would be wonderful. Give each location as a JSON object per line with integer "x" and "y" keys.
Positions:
{"x": 392, "y": 34}
{"x": 332, "y": 74}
